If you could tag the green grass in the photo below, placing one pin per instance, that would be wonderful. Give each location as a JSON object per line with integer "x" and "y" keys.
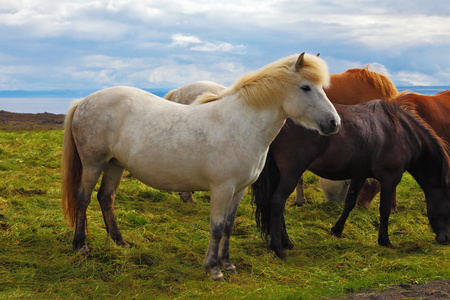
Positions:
{"x": 170, "y": 238}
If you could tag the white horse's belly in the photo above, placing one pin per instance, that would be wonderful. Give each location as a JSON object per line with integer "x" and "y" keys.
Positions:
{"x": 171, "y": 181}
{"x": 176, "y": 171}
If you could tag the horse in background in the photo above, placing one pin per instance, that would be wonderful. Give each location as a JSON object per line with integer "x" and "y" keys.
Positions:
{"x": 359, "y": 85}
{"x": 218, "y": 146}
{"x": 434, "y": 110}
{"x": 188, "y": 93}
{"x": 377, "y": 139}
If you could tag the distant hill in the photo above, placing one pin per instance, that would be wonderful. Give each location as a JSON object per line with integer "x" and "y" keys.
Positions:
{"x": 65, "y": 93}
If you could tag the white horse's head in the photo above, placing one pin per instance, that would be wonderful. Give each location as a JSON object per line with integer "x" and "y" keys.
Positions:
{"x": 296, "y": 84}
{"x": 307, "y": 102}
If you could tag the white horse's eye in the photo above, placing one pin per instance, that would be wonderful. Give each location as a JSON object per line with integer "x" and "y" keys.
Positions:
{"x": 306, "y": 88}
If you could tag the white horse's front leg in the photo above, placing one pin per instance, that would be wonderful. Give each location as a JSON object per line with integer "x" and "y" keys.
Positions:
{"x": 224, "y": 254}
{"x": 220, "y": 201}
{"x": 210, "y": 264}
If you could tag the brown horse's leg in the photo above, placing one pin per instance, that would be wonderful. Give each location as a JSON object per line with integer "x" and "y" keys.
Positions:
{"x": 279, "y": 238}
{"x": 350, "y": 202}
{"x": 394, "y": 201}
{"x": 187, "y": 197}
{"x": 83, "y": 198}
{"x": 112, "y": 176}
{"x": 285, "y": 241}
{"x": 369, "y": 190}
{"x": 388, "y": 187}
{"x": 300, "y": 198}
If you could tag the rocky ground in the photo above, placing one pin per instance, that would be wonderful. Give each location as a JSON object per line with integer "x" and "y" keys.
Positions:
{"x": 431, "y": 290}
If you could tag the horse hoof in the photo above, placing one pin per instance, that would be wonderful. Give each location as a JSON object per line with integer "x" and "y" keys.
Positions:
{"x": 386, "y": 244}
{"x": 281, "y": 254}
{"x": 229, "y": 268}
{"x": 336, "y": 232}
{"x": 299, "y": 203}
{"x": 278, "y": 251}
{"x": 443, "y": 239}
{"x": 84, "y": 250}
{"x": 288, "y": 246}
{"x": 216, "y": 275}
{"x": 124, "y": 244}
{"x": 232, "y": 271}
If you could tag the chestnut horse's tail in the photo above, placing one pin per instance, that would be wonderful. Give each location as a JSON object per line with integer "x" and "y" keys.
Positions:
{"x": 71, "y": 169}
{"x": 262, "y": 191}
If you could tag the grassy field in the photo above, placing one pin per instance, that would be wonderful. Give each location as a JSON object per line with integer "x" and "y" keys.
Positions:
{"x": 170, "y": 238}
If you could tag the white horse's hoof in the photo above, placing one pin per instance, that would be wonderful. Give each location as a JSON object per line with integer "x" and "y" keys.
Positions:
{"x": 216, "y": 275}
{"x": 229, "y": 268}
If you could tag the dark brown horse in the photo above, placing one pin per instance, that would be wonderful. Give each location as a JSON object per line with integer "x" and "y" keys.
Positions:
{"x": 351, "y": 87}
{"x": 377, "y": 139}
{"x": 435, "y": 110}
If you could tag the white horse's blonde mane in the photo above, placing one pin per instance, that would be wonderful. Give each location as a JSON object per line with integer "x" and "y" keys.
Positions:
{"x": 272, "y": 82}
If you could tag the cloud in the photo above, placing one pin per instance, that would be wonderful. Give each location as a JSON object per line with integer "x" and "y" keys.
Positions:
{"x": 389, "y": 31}
{"x": 177, "y": 75}
{"x": 104, "y": 77}
{"x": 405, "y": 78}
{"x": 103, "y": 61}
{"x": 155, "y": 43}
{"x": 195, "y": 44}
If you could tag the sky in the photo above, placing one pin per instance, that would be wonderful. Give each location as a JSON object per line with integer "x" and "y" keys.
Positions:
{"x": 92, "y": 44}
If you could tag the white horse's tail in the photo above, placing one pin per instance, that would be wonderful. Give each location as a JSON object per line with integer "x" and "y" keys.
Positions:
{"x": 71, "y": 169}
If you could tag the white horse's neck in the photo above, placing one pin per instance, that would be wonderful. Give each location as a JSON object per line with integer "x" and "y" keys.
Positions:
{"x": 265, "y": 122}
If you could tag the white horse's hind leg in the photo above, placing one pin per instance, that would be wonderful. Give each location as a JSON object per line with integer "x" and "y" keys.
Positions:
{"x": 112, "y": 176}
{"x": 224, "y": 254}
{"x": 88, "y": 181}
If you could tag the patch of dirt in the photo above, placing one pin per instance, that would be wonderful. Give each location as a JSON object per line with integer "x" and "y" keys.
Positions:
{"x": 23, "y": 191}
{"x": 428, "y": 291}
{"x": 21, "y": 121}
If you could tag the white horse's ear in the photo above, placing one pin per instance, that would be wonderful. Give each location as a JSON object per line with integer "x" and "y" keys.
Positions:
{"x": 299, "y": 62}
{"x": 318, "y": 54}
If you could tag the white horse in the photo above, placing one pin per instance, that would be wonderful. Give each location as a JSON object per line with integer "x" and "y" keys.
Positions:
{"x": 220, "y": 146}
